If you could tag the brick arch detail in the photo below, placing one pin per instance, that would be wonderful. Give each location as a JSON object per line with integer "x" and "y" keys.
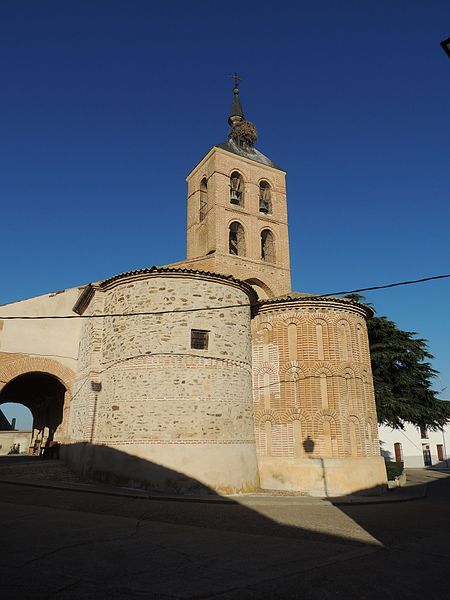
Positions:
{"x": 348, "y": 368}
{"x": 364, "y": 375}
{"x": 268, "y": 415}
{"x": 320, "y": 319}
{"x": 36, "y": 364}
{"x": 296, "y": 414}
{"x": 371, "y": 420}
{"x": 294, "y": 318}
{"x": 323, "y": 371}
{"x": 323, "y": 367}
{"x": 265, "y": 368}
{"x": 293, "y": 365}
{"x": 355, "y": 419}
{"x": 326, "y": 414}
{"x": 264, "y": 325}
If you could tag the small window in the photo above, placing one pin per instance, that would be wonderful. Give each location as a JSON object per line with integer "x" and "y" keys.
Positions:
{"x": 203, "y": 198}
{"x": 199, "y": 339}
{"x": 236, "y": 189}
{"x": 265, "y": 198}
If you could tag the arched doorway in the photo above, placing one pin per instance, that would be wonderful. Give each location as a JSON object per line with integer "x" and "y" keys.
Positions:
{"x": 44, "y": 395}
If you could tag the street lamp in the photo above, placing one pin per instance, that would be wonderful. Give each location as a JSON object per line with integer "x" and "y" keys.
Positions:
{"x": 446, "y": 46}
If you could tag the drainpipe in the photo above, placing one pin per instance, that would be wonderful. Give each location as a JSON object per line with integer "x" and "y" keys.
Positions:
{"x": 445, "y": 448}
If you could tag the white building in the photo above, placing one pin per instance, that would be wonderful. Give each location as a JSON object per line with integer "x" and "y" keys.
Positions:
{"x": 416, "y": 447}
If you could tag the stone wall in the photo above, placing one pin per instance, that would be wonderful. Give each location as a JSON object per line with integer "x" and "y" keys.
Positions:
{"x": 160, "y": 400}
{"x": 314, "y": 397}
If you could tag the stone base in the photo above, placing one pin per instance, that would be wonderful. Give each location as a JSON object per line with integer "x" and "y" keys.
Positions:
{"x": 324, "y": 477}
{"x": 171, "y": 468}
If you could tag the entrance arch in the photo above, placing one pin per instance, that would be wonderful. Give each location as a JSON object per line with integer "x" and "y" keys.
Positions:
{"x": 44, "y": 395}
{"x": 44, "y": 386}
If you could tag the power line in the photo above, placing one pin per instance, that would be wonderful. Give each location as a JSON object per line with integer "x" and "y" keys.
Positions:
{"x": 207, "y": 308}
{"x": 388, "y": 285}
{"x": 132, "y": 314}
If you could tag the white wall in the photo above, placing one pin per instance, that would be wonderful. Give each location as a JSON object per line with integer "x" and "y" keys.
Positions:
{"x": 412, "y": 444}
{"x": 55, "y": 338}
{"x": 8, "y": 438}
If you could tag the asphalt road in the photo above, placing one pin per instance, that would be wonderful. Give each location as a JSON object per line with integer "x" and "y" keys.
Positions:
{"x": 58, "y": 544}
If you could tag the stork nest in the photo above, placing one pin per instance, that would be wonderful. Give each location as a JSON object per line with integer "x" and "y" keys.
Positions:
{"x": 245, "y": 132}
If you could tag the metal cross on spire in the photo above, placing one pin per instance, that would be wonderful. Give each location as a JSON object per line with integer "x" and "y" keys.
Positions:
{"x": 236, "y": 113}
{"x": 237, "y": 79}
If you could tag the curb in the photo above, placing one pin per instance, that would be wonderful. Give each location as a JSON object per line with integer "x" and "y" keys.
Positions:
{"x": 417, "y": 495}
{"x": 141, "y": 495}
{"x": 249, "y": 499}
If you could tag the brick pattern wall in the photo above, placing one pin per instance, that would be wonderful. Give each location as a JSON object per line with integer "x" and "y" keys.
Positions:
{"x": 312, "y": 382}
{"x": 211, "y": 234}
{"x": 5, "y": 358}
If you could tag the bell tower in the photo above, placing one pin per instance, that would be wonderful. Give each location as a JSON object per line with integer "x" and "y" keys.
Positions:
{"x": 237, "y": 212}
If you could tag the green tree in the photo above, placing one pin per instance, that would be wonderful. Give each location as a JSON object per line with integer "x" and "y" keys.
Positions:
{"x": 402, "y": 376}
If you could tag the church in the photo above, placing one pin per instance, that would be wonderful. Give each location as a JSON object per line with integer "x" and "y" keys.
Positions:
{"x": 210, "y": 374}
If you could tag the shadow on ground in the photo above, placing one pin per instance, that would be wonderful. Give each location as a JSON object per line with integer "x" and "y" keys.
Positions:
{"x": 63, "y": 544}
{"x": 198, "y": 506}
{"x": 408, "y": 520}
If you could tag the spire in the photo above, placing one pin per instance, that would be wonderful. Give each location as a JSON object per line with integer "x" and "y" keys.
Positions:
{"x": 236, "y": 112}
{"x": 243, "y": 133}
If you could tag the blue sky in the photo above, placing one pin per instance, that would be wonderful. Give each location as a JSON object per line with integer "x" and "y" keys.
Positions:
{"x": 105, "y": 106}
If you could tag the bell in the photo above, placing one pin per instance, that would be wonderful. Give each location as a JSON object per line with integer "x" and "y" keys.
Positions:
{"x": 234, "y": 198}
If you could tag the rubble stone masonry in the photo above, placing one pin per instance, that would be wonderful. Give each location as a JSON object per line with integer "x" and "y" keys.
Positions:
{"x": 185, "y": 409}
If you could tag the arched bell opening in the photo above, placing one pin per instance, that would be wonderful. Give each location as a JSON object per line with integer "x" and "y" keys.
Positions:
{"x": 236, "y": 239}
{"x": 43, "y": 394}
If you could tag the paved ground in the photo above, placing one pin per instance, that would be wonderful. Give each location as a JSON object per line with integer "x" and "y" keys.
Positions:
{"x": 70, "y": 544}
